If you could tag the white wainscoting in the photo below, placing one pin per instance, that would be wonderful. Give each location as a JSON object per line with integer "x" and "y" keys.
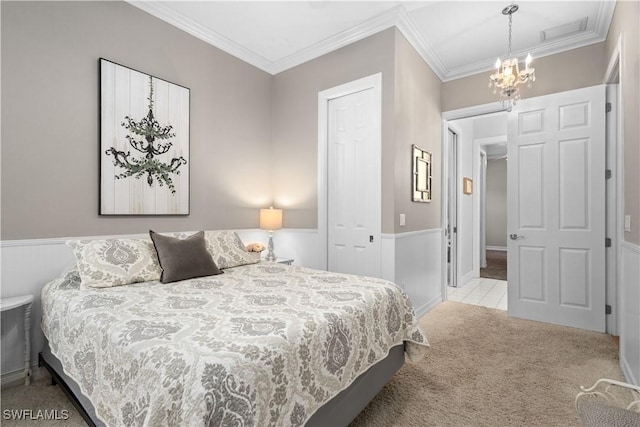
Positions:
{"x": 416, "y": 267}
{"x": 27, "y": 265}
{"x": 629, "y": 298}
{"x": 412, "y": 260}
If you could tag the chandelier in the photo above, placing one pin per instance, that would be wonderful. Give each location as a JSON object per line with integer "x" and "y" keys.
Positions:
{"x": 508, "y": 76}
{"x": 147, "y": 136}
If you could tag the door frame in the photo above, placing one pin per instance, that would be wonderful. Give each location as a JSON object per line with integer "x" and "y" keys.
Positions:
{"x": 447, "y": 118}
{"x": 454, "y": 253}
{"x": 616, "y": 63}
{"x": 615, "y": 223}
{"x": 374, "y": 82}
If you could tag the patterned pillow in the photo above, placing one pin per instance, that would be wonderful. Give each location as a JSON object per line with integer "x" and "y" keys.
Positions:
{"x": 227, "y": 249}
{"x": 115, "y": 262}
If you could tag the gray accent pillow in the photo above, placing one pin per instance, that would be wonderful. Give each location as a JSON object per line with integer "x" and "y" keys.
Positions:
{"x": 182, "y": 259}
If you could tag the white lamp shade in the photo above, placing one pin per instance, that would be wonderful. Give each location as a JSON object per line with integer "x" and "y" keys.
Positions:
{"x": 271, "y": 219}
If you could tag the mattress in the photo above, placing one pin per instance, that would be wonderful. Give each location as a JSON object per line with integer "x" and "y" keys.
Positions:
{"x": 263, "y": 344}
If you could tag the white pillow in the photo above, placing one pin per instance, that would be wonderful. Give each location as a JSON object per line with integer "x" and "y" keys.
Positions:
{"x": 227, "y": 249}
{"x": 115, "y": 262}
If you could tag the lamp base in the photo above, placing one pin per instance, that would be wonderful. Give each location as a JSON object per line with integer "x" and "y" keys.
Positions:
{"x": 271, "y": 256}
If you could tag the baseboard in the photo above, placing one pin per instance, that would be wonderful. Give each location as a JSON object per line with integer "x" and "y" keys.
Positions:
{"x": 497, "y": 248}
{"x": 626, "y": 371}
{"x": 464, "y": 279}
{"x": 16, "y": 378}
{"x": 428, "y": 306}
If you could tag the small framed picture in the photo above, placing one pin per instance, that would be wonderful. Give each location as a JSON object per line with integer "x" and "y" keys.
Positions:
{"x": 467, "y": 186}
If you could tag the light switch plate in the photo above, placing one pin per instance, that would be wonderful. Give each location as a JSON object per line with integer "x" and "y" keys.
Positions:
{"x": 403, "y": 220}
{"x": 627, "y": 223}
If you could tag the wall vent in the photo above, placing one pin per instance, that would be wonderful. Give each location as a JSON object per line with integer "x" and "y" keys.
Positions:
{"x": 564, "y": 30}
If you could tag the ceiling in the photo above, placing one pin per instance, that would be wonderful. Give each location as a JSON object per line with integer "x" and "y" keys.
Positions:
{"x": 456, "y": 38}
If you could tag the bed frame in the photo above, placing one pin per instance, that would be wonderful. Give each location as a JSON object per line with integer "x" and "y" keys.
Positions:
{"x": 339, "y": 411}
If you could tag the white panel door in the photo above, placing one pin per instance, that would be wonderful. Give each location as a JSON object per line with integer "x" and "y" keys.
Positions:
{"x": 354, "y": 185}
{"x": 556, "y": 203}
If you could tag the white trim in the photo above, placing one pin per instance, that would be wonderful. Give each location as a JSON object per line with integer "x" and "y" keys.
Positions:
{"x": 397, "y": 16}
{"x": 428, "y": 306}
{"x": 497, "y": 248}
{"x": 371, "y": 82}
{"x": 169, "y": 15}
{"x": 16, "y": 377}
{"x": 489, "y": 140}
{"x": 597, "y": 35}
{"x": 627, "y": 372}
{"x": 409, "y": 234}
{"x": 463, "y": 280}
{"x": 409, "y": 29}
{"x": 631, "y": 247}
{"x": 629, "y": 257}
{"x": 61, "y": 240}
{"x": 476, "y": 110}
{"x": 368, "y": 28}
{"x": 615, "y": 70}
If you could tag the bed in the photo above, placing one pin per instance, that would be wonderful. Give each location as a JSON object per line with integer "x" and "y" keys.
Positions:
{"x": 261, "y": 344}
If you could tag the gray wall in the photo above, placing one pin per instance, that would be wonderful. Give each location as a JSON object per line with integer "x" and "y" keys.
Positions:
{"x": 50, "y": 122}
{"x": 295, "y": 124}
{"x": 496, "y": 219}
{"x": 418, "y": 120}
{"x": 410, "y": 115}
{"x": 573, "y": 69}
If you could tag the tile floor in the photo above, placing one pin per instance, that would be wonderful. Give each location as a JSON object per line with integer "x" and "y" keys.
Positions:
{"x": 490, "y": 293}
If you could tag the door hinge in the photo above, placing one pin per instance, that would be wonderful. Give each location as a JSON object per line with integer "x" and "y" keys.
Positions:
{"x": 607, "y": 107}
{"x": 607, "y": 174}
{"x": 607, "y": 309}
{"x": 455, "y": 229}
{"x": 607, "y": 242}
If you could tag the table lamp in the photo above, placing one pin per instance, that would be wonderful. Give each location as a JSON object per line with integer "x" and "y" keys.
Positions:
{"x": 270, "y": 220}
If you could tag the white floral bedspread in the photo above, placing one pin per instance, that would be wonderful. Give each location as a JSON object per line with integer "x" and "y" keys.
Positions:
{"x": 260, "y": 345}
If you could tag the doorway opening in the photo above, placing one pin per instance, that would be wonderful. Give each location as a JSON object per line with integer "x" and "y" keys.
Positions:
{"x": 479, "y": 137}
{"x": 493, "y": 211}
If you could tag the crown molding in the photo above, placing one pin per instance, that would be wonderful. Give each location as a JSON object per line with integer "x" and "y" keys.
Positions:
{"x": 597, "y": 35}
{"x": 367, "y": 28}
{"x": 409, "y": 29}
{"x": 165, "y": 13}
{"x": 397, "y": 16}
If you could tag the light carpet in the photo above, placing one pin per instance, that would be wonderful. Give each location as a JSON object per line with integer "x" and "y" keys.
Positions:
{"x": 487, "y": 369}
{"x": 483, "y": 369}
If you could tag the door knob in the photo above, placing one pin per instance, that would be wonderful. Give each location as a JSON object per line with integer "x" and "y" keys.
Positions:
{"x": 514, "y": 236}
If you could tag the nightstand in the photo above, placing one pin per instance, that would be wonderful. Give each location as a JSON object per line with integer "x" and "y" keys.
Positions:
{"x": 15, "y": 302}
{"x": 288, "y": 261}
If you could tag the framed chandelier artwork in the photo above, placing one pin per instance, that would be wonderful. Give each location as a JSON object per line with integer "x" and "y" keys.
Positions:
{"x": 144, "y": 143}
